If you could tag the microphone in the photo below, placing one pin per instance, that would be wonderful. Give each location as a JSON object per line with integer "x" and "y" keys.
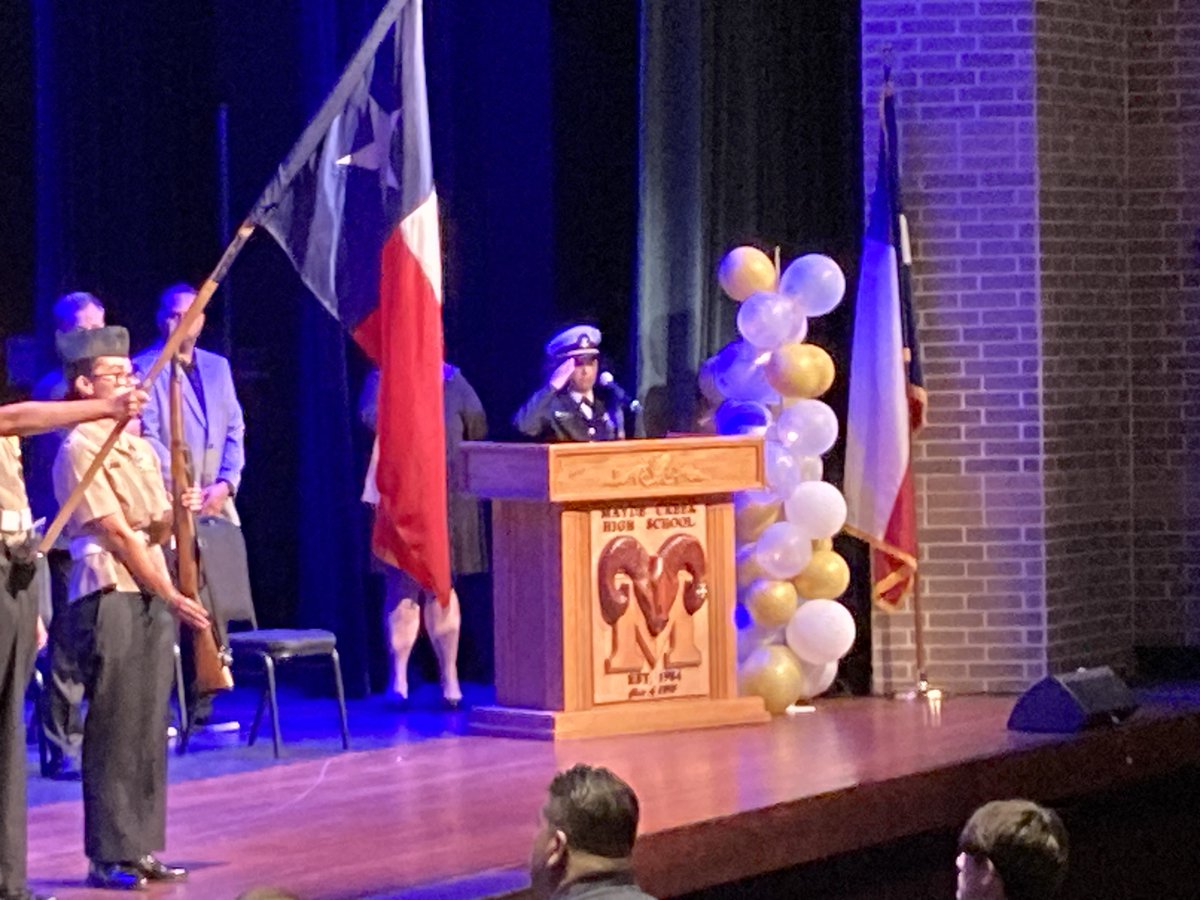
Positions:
{"x": 622, "y": 396}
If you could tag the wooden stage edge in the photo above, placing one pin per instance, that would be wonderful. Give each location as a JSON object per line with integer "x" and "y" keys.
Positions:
{"x": 718, "y": 804}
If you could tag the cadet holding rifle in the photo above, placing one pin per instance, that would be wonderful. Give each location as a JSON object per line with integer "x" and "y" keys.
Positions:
{"x": 21, "y": 631}
{"x": 121, "y": 600}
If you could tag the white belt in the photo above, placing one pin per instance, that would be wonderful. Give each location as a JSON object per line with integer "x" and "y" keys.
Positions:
{"x": 85, "y": 545}
{"x": 15, "y": 521}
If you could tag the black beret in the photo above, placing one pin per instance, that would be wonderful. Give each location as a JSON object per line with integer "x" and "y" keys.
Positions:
{"x": 88, "y": 343}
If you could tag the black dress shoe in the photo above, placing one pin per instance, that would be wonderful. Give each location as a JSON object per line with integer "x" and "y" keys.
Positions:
{"x": 154, "y": 869}
{"x": 115, "y": 877}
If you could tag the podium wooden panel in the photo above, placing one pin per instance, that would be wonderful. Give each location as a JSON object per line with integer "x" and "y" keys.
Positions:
{"x": 569, "y": 661}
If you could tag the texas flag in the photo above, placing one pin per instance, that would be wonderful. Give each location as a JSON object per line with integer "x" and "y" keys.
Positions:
{"x": 887, "y": 397}
{"x": 355, "y": 209}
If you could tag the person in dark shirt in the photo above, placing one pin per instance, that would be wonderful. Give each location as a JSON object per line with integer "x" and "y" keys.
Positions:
{"x": 60, "y": 704}
{"x": 583, "y": 849}
{"x": 406, "y": 603}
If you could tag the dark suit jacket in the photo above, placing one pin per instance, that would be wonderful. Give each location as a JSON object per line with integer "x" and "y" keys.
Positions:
{"x": 551, "y": 415}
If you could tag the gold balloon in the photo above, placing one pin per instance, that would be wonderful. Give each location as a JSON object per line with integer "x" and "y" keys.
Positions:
{"x": 745, "y": 270}
{"x": 825, "y": 577}
{"x": 800, "y": 370}
{"x": 747, "y": 566}
{"x": 771, "y": 604}
{"x": 752, "y": 518}
{"x": 774, "y": 674}
{"x": 822, "y": 544}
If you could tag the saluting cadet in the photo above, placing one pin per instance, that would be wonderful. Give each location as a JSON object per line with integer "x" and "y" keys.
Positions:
{"x": 120, "y": 603}
{"x": 571, "y": 406}
{"x": 21, "y": 630}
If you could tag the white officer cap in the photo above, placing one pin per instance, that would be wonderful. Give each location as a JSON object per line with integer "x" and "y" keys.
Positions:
{"x": 577, "y": 341}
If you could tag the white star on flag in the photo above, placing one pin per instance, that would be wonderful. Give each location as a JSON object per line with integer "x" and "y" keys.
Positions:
{"x": 377, "y": 155}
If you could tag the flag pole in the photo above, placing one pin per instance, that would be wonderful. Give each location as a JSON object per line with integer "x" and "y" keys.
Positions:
{"x": 288, "y": 169}
{"x": 169, "y": 349}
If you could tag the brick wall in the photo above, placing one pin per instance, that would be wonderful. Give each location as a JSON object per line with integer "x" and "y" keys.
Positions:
{"x": 964, "y": 73}
{"x": 1050, "y": 152}
{"x": 1164, "y": 213}
{"x": 1084, "y": 241}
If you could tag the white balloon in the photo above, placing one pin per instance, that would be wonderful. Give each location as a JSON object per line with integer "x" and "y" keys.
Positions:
{"x": 782, "y": 550}
{"x": 742, "y": 417}
{"x": 782, "y": 469}
{"x": 821, "y": 631}
{"x": 799, "y": 326}
{"x": 815, "y": 282}
{"x": 739, "y": 373}
{"x": 766, "y": 319}
{"x": 817, "y": 679}
{"x": 817, "y": 508}
{"x": 808, "y": 428}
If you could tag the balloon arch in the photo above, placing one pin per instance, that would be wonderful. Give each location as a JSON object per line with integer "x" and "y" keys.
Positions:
{"x": 792, "y": 628}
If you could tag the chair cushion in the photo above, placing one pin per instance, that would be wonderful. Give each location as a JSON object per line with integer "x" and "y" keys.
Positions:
{"x": 284, "y": 641}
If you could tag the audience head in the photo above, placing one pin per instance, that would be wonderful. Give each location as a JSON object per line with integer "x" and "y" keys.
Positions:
{"x": 588, "y": 824}
{"x": 1011, "y": 850}
{"x": 172, "y": 304}
{"x": 78, "y": 310}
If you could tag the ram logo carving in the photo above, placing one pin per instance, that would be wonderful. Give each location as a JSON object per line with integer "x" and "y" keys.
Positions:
{"x": 628, "y": 572}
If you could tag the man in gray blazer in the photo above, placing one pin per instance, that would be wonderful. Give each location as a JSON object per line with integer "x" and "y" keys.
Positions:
{"x": 213, "y": 427}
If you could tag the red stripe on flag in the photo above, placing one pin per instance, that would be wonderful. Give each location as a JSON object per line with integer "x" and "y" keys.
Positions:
{"x": 893, "y": 572}
{"x": 404, "y": 336}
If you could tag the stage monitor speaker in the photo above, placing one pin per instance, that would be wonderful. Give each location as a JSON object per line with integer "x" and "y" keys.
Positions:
{"x": 1067, "y": 703}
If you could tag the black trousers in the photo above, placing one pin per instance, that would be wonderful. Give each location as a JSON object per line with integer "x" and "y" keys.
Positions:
{"x": 62, "y": 699}
{"x": 18, "y": 647}
{"x": 123, "y": 644}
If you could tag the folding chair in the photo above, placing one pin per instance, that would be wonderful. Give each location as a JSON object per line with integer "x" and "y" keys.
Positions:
{"x": 223, "y": 561}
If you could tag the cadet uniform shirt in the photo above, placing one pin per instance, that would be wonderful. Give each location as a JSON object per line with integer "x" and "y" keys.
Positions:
{"x": 129, "y": 483}
{"x": 12, "y": 482}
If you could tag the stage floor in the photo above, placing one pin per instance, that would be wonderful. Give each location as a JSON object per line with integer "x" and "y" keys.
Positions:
{"x": 417, "y": 809}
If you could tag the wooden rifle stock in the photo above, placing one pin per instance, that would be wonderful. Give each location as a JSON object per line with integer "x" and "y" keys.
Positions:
{"x": 212, "y": 659}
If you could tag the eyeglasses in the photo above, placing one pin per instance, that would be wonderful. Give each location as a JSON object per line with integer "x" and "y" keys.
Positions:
{"x": 117, "y": 377}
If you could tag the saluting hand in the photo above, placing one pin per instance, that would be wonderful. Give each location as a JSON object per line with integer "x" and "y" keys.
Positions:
{"x": 127, "y": 404}
{"x": 188, "y": 611}
{"x": 562, "y": 374}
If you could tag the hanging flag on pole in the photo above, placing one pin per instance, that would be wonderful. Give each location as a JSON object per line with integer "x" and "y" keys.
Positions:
{"x": 887, "y": 394}
{"x": 355, "y": 209}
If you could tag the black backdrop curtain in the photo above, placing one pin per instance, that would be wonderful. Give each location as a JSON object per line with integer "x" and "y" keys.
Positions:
{"x": 750, "y": 133}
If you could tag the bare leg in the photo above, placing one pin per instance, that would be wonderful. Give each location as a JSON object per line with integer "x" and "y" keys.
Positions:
{"x": 402, "y": 621}
{"x": 443, "y": 625}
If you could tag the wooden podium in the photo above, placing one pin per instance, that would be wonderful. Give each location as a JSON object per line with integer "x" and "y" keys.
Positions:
{"x": 614, "y": 584}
